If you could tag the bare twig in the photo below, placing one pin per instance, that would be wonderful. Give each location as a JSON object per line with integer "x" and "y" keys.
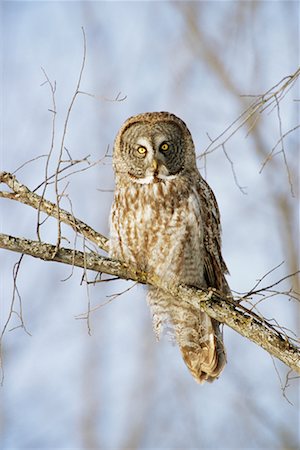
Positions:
{"x": 241, "y": 188}
{"x": 62, "y": 145}
{"x": 111, "y": 299}
{"x": 28, "y": 162}
{"x": 12, "y": 311}
{"x": 117, "y": 98}
{"x": 53, "y": 111}
{"x": 261, "y": 103}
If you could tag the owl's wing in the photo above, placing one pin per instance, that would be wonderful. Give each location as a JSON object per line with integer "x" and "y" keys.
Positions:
{"x": 214, "y": 265}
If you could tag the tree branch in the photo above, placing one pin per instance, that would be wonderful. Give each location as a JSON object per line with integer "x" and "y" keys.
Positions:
{"x": 22, "y": 194}
{"x": 212, "y": 302}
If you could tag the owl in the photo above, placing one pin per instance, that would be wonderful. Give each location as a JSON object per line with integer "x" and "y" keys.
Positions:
{"x": 165, "y": 220}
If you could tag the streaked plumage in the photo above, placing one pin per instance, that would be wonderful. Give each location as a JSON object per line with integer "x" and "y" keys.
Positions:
{"x": 165, "y": 219}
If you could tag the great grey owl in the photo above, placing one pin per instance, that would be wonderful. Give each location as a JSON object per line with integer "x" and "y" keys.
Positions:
{"x": 165, "y": 220}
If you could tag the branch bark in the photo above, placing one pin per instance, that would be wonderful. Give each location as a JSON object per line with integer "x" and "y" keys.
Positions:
{"x": 216, "y": 305}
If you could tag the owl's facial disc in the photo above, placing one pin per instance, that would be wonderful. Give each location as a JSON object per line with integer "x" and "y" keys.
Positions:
{"x": 153, "y": 153}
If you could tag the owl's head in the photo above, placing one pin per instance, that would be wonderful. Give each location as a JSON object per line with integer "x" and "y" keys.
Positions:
{"x": 153, "y": 146}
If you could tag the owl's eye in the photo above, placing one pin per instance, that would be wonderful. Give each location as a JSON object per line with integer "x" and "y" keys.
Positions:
{"x": 142, "y": 150}
{"x": 164, "y": 147}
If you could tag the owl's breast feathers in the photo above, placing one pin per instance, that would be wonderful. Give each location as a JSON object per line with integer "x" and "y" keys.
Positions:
{"x": 158, "y": 227}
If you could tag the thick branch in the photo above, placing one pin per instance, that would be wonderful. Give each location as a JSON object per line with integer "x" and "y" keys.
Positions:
{"x": 213, "y": 303}
{"x": 22, "y": 194}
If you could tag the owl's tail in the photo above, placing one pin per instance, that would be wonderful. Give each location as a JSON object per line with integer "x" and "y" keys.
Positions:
{"x": 206, "y": 357}
{"x": 197, "y": 335}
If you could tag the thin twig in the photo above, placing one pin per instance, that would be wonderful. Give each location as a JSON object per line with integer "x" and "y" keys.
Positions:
{"x": 62, "y": 145}
{"x": 111, "y": 299}
{"x": 241, "y": 188}
{"x": 53, "y": 110}
{"x": 10, "y": 315}
{"x": 118, "y": 97}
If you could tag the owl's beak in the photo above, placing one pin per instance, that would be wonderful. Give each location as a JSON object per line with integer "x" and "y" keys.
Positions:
{"x": 154, "y": 165}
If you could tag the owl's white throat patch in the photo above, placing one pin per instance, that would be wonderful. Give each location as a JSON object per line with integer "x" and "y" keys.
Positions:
{"x": 166, "y": 177}
{"x": 146, "y": 180}
{"x": 152, "y": 178}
